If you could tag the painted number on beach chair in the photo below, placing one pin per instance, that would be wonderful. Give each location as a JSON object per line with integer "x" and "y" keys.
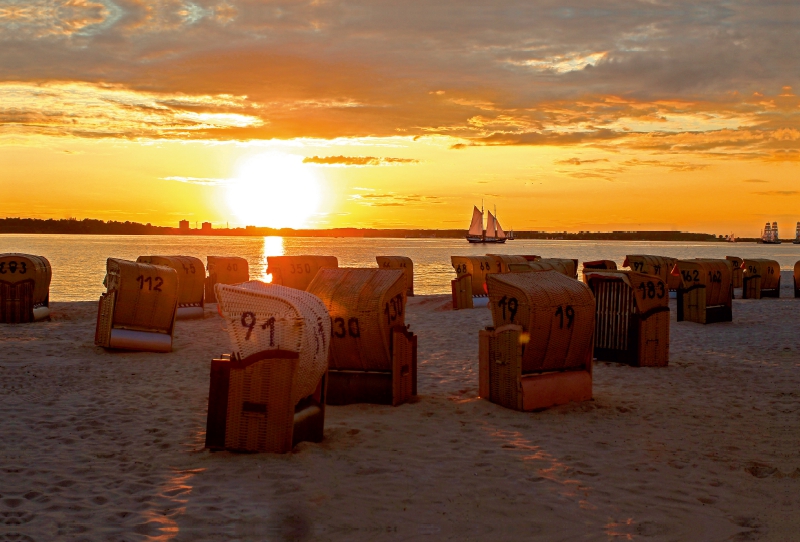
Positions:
{"x": 299, "y": 269}
{"x": 509, "y": 303}
{"x": 567, "y": 311}
{"x": 656, "y": 269}
{"x": 770, "y": 271}
{"x": 690, "y": 276}
{"x": 638, "y": 266}
{"x": 13, "y": 267}
{"x": 461, "y": 268}
{"x": 189, "y": 269}
{"x": 153, "y": 284}
{"x": 249, "y": 321}
{"x": 715, "y": 276}
{"x": 340, "y": 331}
{"x": 651, "y": 290}
{"x": 233, "y": 267}
{"x": 393, "y": 309}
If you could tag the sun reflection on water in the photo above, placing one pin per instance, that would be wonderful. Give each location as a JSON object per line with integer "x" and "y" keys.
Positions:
{"x": 273, "y": 246}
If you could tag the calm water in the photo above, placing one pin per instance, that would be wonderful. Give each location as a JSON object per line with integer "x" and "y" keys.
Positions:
{"x": 79, "y": 260}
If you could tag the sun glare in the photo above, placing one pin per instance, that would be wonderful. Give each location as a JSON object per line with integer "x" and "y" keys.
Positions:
{"x": 274, "y": 190}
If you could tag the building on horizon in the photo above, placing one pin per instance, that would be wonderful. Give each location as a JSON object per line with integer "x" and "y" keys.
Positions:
{"x": 183, "y": 225}
{"x": 206, "y": 226}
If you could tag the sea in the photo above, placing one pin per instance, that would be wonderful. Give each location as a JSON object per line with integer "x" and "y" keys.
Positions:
{"x": 78, "y": 261}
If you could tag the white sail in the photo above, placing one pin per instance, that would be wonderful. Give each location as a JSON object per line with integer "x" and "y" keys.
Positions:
{"x": 476, "y": 227}
{"x": 500, "y": 233}
{"x": 491, "y": 226}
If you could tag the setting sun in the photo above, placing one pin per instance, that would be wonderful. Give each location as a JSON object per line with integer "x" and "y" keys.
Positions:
{"x": 274, "y": 190}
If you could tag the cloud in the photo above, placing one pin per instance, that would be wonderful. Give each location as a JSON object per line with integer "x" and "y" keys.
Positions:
{"x": 357, "y": 161}
{"x": 754, "y": 181}
{"x": 578, "y": 161}
{"x": 392, "y": 199}
{"x": 203, "y": 181}
{"x": 778, "y": 193}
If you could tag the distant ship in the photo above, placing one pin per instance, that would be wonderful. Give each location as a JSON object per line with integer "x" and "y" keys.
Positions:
{"x": 732, "y": 237}
{"x": 493, "y": 232}
{"x": 770, "y": 234}
{"x": 797, "y": 235}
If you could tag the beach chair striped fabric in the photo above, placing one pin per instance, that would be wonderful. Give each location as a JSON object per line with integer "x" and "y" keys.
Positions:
{"x": 540, "y": 346}
{"x": 191, "y": 282}
{"x": 24, "y": 288}
{"x": 137, "y": 312}
{"x": 269, "y": 394}
{"x": 373, "y": 355}
{"x": 705, "y": 292}
{"x": 660, "y": 266}
{"x": 761, "y": 278}
{"x": 297, "y": 271}
{"x": 399, "y": 262}
{"x": 631, "y": 317}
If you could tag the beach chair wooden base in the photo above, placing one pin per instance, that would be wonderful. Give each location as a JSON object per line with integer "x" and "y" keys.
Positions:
{"x": 647, "y": 344}
{"x": 770, "y": 292}
{"x": 393, "y": 387}
{"x": 250, "y": 405}
{"x": 462, "y": 292}
{"x": 501, "y": 380}
{"x": 16, "y": 302}
{"x": 751, "y": 287}
{"x": 107, "y": 336}
{"x": 692, "y": 307}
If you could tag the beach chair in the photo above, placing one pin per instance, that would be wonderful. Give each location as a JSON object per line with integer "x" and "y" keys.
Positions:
{"x": 705, "y": 292}
{"x": 225, "y": 270}
{"x": 191, "y": 282}
{"x": 796, "y": 279}
{"x": 24, "y": 288}
{"x": 760, "y": 278}
{"x": 502, "y": 261}
{"x": 399, "y": 262}
{"x": 538, "y": 354}
{"x": 297, "y": 271}
{"x": 736, "y": 277}
{"x": 269, "y": 394}
{"x": 137, "y": 312}
{"x": 631, "y": 317}
{"x": 373, "y": 356}
{"x": 565, "y": 266}
{"x": 661, "y": 266}
{"x": 471, "y": 272}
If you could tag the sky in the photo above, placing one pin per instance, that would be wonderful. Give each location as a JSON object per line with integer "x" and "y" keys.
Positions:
{"x": 561, "y": 116}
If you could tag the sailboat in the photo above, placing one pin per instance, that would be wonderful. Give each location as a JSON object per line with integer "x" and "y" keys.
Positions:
{"x": 769, "y": 236}
{"x": 494, "y": 232}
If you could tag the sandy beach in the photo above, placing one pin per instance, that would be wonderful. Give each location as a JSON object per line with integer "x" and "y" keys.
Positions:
{"x": 101, "y": 445}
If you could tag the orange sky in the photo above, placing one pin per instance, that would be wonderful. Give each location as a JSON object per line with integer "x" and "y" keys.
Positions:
{"x": 597, "y": 116}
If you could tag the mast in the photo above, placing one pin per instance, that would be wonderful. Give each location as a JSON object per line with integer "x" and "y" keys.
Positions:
{"x": 491, "y": 226}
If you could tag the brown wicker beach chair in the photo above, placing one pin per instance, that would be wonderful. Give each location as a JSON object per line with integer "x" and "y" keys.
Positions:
{"x": 796, "y": 279}
{"x": 660, "y": 266}
{"x": 138, "y": 310}
{"x": 24, "y": 288}
{"x": 477, "y": 267}
{"x": 761, "y": 278}
{"x": 297, "y": 271}
{"x": 502, "y": 261}
{"x": 270, "y": 393}
{"x": 399, "y": 262}
{"x": 565, "y": 266}
{"x": 191, "y": 282}
{"x": 461, "y": 288}
{"x": 736, "y": 277}
{"x": 705, "y": 293}
{"x": 225, "y": 270}
{"x": 631, "y": 317}
{"x": 373, "y": 356}
{"x": 539, "y": 352}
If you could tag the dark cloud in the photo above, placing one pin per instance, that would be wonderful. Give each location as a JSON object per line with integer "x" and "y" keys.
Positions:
{"x": 357, "y": 161}
{"x": 754, "y": 181}
{"x": 778, "y": 193}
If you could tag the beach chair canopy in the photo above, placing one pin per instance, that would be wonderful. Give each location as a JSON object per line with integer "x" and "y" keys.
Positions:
{"x": 228, "y": 269}
{"x": 191, "y": 276}
{"x": 768, "y": 270}
{"x": 556, "y": 312}
{"x": 146, "y": 295}
{"x": 364, "y": 306}
{"x": 565, "y": 266}
{"x": 399, "y": 262}
{"x": 476, "y": 266}
{"x": 599, "y": 264}
{"x": 502, "y": 261}
{"x": 653, "y": 265}
{"x": 713, "y": 274}
{"x": 264, "y": 317}
{"x": 18, "y": 268}
{"x": 297, "y": 271}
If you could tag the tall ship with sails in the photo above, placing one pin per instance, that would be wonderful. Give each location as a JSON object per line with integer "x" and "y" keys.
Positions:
{"x": 770, "y": 234}
{"x": 492, "y": 234}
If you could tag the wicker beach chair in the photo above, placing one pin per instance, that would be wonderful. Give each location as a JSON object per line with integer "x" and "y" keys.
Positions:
{"x": 297, "y": 271}
{"x": 399, "y": 262}
{"x": 137, "y": 312}
{"x": 269, "y": 394}
{"x": 660, "y": 266}
{"x": 796, "y": 279}
{"x": 565, "y": 266}
{"x": 24, "y": 288}
{"x": 373, "y": 355}
{"x": 477, "y": 267}
{"x": 761, "y": 278}
{"x": 502, "y": 261}
{"x": 225, "y": 270}
{"x": 539, "y": 352}
{"x": 631, "y": 317}
{"x": 705, "y": 291}
{"x": 191, "y": 282}
{"x": 736, "y": 277}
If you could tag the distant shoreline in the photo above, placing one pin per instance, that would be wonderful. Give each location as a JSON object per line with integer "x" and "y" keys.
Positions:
{"x": 99, "y": 227}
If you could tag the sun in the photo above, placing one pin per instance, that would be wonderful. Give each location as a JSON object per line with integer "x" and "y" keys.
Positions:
{"x": 274, "y": 190}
